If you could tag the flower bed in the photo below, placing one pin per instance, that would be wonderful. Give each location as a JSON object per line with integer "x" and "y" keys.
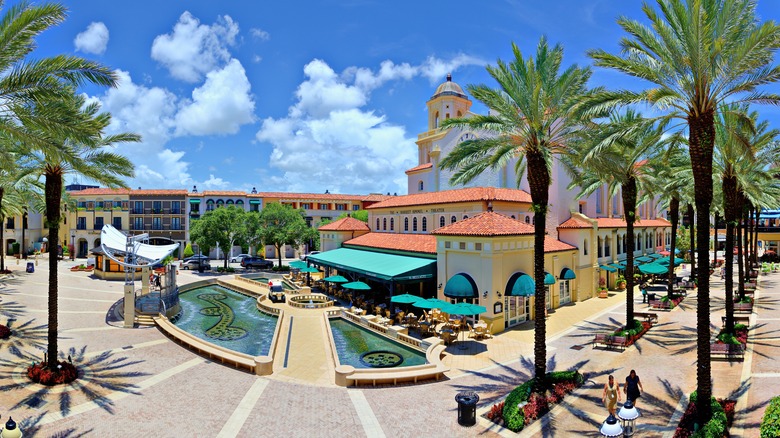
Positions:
{"x": 770, "y": 424}
{"x": 675, "y": 300}
{"x": 5, "y": 332}
{"x": 740, "y": 336}
{"x": 82, "y": 268}
{"x": 39, "y": 373}
{"x": 633, "y": 334}
{"x": 722, "y": 418}
{"x": 522, "y": 407}
{"x": 744, "y": 300}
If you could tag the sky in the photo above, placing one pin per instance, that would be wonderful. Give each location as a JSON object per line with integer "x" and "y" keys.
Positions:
{"x": 308, "y": 96}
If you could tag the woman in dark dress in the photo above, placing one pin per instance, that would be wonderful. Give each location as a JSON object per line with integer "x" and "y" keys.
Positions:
{"x": 632, "y": 387}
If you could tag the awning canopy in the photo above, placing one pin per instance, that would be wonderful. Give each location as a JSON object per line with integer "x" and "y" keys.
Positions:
{"x": 655, "y": 256}
{"x": 114, "y": 242}
{"x": 549, "y": 280}
{"x": 653, "y": 269}
{"x": 254, "y": 201}
{"x": 194, "y": 201}
{"x": 644, "y": 259}
{"x": 618, "y": 267}
{"x": 461, "y": 286}
{"x": 607, "y": 268}
{"x": 377, "y": 265}
{"x": 567, "y": 274}
{"x": 520, "y": 284}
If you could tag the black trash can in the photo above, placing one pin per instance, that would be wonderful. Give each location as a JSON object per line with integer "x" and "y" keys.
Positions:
{"x": 30, "y": 267}
{"x": 467, "y": 408}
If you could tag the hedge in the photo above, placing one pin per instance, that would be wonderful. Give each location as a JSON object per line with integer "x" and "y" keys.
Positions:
{"x": 770, "y": 424}
{"x": 514, "y": 418}
{"x": 716, "y": 427}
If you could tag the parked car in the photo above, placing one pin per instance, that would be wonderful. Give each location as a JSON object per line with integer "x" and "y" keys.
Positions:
{"x": 256, "y": 262}
{"x": 196, "y": 256}
{"x": 238, "y": 258}
{"x": 196, "y": 263}
{"x": 305, "y": 256}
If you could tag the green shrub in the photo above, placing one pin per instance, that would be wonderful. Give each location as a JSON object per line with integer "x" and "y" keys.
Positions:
{"x": 514, "y": 418}
{"x": 728, "y": 338}
{"x": 740, "y": 327}
{"x": 716, "y": 427}
{"x": 280, "y": 268}
{"x": 770, "y": 424}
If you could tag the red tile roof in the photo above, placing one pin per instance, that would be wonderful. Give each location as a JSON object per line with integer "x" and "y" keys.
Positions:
{"x": 420, "y": 167}
{"x": 609, "y": 222}
{"x": 471, "y": 194}
{"x": 101, "y": 191}
{"x": 346, "y": 224}
{"x": 575, "y": 222}
{"x": 224, "y": 193}
{"x": 423, "y": 243}
{"x": 555, "y": 245}
{"x": 486, "y": 224}
{"x": 158, "y": 192}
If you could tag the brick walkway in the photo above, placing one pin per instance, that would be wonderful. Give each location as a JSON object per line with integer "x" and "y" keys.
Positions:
{"x": 139, "y": 382}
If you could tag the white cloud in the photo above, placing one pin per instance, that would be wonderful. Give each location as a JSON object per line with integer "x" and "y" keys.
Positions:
{"x": 436, "y": 69}
{"x": 257, "y": 58}
{"x": 194, "y": 49}
{"x": 220, "y": 106}
{"x": 260, "y": 34}
{"x": 93, "y": 40}
{"x": 215, "y": 183}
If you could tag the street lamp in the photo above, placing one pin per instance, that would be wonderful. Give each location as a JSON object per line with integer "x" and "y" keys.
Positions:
{"x": 10, "y": 430}
{"x": 611, "y": 427}
{"x": 628, "y": 413}
{"x": 72, "y": 245}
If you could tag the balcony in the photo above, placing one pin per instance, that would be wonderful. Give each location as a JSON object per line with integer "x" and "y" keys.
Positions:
{"x": 137, "y": 211}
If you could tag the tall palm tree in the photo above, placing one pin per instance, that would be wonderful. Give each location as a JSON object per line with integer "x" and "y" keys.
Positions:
{"x": 621, "y": 154}
{"x": 16, "y": 182}
{"x": 87, "y": 155}
{"x": 533, "y": 117}
{"x": 696, "y": 54}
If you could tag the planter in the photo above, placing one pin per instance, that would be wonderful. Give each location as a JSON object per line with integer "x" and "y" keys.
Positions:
{"x": 603, "y": 294}
{"x": 621, "y": 285}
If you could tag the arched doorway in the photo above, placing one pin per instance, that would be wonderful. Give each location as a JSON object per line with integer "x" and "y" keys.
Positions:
{"x": 517, "y": 299}
{"x": 82, "y": 248}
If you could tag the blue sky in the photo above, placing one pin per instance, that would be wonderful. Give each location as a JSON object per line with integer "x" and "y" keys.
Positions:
{"x": 307, "y": 96}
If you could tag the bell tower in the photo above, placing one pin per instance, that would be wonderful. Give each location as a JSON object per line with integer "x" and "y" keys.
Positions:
{"x": 448, "y": 102}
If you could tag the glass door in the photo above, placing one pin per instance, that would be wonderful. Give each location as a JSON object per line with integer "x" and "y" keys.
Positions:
{"x": 565, "y": 292}
{"x": 516, "y": 310}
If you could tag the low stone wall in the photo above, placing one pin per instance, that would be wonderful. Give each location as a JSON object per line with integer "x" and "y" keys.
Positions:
{"x": 302, "y": 301}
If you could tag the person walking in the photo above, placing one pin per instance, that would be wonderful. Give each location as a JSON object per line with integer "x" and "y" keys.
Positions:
{"x": 632, "y": 387}
{"x": 643, "y": 289}
{"x": 611, "y": 395}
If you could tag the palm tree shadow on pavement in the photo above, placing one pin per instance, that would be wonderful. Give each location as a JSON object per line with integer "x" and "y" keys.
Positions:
{"x": 31, "y": 426}
{"x": 99, "y": 376}
{"x": 25, "y": 336}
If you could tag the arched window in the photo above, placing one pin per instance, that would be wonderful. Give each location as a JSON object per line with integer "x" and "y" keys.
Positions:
{"x": 384, "y": 224}
{"x": 619, "y": 250}
{"x": 377, "y": 224}
{"x": 528, "y": 219}
{"x": 420, "y": 186}
{"x": 585, "y": 247}
{"x": 414, "y": 224}
{"x": 406, "y": 224}
{"x": 465, "y": 217}
{"x": 436, "y": 120}
{"x": 425, "y": 224}
{"x": 533, "y": 220}
{"x": 607, "y": 249}
{"x": 441, "y": 221}
{"x": 453, "y": 220}
{"x": 392, "y": 224}
{"x": 598, "y": 242}
{"x": 229, "y": 202}
{"x": 513, "y": 217}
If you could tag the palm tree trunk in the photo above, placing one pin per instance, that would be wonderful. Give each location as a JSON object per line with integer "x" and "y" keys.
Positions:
{"x": 691, "y": 215}
{"x": 674, "y": 212}
{"x": 745, "y": 239}
{"x": 740, "y": 260}
{"x": 730, "y": 203}
{"x": 701, "y": 142}
{"x": 755, "y": 235}
{"x": 2, "y": 238}
{"x": 53, "y": 193}
{"x": 539, "y": 184}
{"x": 24, "y": 223}
{"x": 715, "y": 244}
{"x": 629, "y": 192}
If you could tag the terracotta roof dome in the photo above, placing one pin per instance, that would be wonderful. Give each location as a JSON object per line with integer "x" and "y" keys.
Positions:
{"x": 449, "y": 88}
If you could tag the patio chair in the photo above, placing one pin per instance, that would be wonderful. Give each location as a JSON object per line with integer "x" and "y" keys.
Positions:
{"x": 447, "y": 337}
{"x": 472, "y": 333}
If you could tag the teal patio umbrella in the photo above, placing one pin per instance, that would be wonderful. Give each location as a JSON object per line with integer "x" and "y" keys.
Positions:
{"x": 430, "y": 303}
{"x": 356, "y": 285}
{"x": 665, "y": 261}
{"x": 335, "y": 279}
{"x": 463, "y": 309}
{"x": 309, "y": 270}
{"x": 297, "y": 264}
{"x": 405, "y": 299}
{"x": 653, "y": 269}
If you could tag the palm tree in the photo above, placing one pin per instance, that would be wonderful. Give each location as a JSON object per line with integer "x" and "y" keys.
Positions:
{"x": 533, "y": 117}
{"x": 696, "y": 54}
{"x": 620, "y": 154}
{"x": 85, "y": 155}
{"x": 16, "y": 182}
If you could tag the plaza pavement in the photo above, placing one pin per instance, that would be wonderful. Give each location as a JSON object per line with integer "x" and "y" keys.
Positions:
{"x": 138, "y": 382}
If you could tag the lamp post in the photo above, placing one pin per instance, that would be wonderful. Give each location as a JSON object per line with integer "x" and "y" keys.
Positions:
{"x": 628, "y": 413}
{"x": 72, "y": 245}
{"x": 611, "y": 427}
{"x": 10, "y": 430}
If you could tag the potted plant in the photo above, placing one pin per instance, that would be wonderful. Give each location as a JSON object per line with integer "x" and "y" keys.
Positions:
{"x": 603, "y": 292}
{"x": 620, "y": 282}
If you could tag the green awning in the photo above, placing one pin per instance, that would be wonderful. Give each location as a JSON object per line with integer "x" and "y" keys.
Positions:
{"x": 254, "y": 201}
{"x": 617, "y": 267}
{"x": 567, "y": 274}
{"x": 520, "y": 284}
{"x": 665, "y": 261}
{"x": 194, "y": 201}
{"x": 655, "y": 256}
{"x": 298, "y": 264}
{"x": 653, "y": 269}
{"x": 377, "y": 265}
{"x": 461, "y": 286}
{"x": 549, "y": 280}
{"x": 607, "y": 268}
{"x": 644, "y": 259}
